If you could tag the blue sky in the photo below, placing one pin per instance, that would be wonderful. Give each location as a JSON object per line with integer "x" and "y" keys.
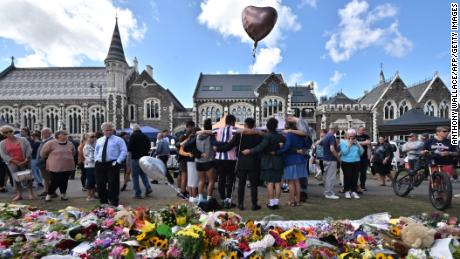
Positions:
{"x": 338, "y": 45}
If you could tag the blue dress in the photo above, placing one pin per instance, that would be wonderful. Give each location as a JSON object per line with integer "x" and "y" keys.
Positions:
{"x": 295, "y": 165}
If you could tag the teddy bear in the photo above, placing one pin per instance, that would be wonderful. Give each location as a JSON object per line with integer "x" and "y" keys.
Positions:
{"x": 416, "y": 235}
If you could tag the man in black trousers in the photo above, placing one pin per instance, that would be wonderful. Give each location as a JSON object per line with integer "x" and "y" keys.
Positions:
{"x": 110, "y": 152}
{"x": 248, "y": 166}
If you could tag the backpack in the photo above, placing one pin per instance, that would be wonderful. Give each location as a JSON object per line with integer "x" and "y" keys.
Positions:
{"x": 319, "y": 151}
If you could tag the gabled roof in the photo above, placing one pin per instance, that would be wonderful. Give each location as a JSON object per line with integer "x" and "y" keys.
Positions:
{"x": 52, "y": 83}
{"x": 301, "y": 94}
{"x": 340, "y": 98}
{"x": 215, "y": 86}
{"x": 116, "y": 52}
{"x": 374, "y": 95}
{"x": 417, "y": 90}
{"x": 145, "y": 77}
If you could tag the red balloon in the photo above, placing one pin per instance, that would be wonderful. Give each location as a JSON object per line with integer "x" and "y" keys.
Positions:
{"x": 258, "y": 21}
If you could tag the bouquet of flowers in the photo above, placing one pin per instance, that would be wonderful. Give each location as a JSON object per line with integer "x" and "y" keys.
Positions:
{"x": 191, "y": 240}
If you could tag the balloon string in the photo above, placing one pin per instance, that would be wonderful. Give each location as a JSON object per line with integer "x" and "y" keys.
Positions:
{"x": 254, "y": 53}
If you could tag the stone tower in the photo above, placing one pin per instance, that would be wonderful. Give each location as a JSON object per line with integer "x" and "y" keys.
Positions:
{"x": 117, "y": 70}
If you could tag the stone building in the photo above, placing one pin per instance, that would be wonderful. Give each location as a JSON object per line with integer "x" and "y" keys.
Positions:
{"x": 259, "y": 96}
{"x": 79, "y": 99}
{"x": 388, "y": 100}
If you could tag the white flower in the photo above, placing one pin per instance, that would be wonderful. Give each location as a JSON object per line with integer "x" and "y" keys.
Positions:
{"x": 416, "y": 253}
{"x": 267, "y": 241}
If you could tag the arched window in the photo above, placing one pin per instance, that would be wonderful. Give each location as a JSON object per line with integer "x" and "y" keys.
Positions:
{"x": 74, "y": 119}
{"x": 152, "y": 109}
{"x": 272, "y": 105}
{"x": 430, "y": 108}
{"x": 52, "y": 117}
{"x": 403, "y": 107}
{"x": 96, "y": 117}
{"x": 241, "y": 111}
{"x": 7, "y": 114}
{"x": 389, "y": 111}
{"x": 444, "y": 110}
{"x": 28, "y": 117}
{"x": 212, "y": 111}
{"x": 308, "y": 113}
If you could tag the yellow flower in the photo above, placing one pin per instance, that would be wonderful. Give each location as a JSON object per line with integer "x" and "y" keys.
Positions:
{"x": 361, "y": 240}
{"x": 148, "y": 227}
{"x": 390, "y": 257}
{"x": 153, "y": 240}
{"x": 380, "y": 256}
{"x": 257, "y": 232}
{"x": 125, "y": 252}
{"x": 51, "y": 221}
{"x": 78, "y": 236}
{"x": 250, "y": 224}
{"x": 255, "y": 257}
{"x": 233, "y": 255}
{"x": 164, "y": 244}
{"x": 141, "y": 236}
{"x": 221, "y": 255}
{"x": 396, "y": 231}
{"x": 287, "y": 254}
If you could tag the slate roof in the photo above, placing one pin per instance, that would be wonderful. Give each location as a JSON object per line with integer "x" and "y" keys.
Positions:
{"x": 374, "y": 94}
{"x": 51, "y": 83}
{"x": 301, "y": 94}
{"x": 145, "y": 77}
{"x": 340, "y": 98}
{"x": 116, "y": 52}
{"x": 417, "y": 90}
{"x": 226, "y": 83}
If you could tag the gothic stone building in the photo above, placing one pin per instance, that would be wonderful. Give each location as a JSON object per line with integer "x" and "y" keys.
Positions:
{"x": 79, "y": 99}
{"x": 386, "y": 101}
{"x": 259, "y": 96}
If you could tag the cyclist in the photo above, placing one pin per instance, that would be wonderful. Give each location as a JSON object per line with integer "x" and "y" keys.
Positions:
{"x": 442, "y": 150}
{"x": 413, "y": 148}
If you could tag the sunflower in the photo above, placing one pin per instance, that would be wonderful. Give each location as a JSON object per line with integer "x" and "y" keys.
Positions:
{"x": 164, "y": 245}
{"x": 361, "y": 240}
{"x": 233, "y": 255}
{"x": 380, "y": 256}
{"x": 257, "y": 232}
{"x": 255, "y": 257}
{"x": 250, "y": 224}
{"x": 287, "y": 254}
{"x": 396, "y": 231}
{"x": 221, "y": 255}
{"x": 153, "y": 240}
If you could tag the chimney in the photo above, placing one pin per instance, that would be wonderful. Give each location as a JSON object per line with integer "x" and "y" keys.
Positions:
{"x": 135, "y": 64}
{"x": 149, "y": 70}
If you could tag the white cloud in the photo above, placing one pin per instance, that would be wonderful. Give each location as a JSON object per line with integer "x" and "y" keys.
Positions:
{"x": 224, "y": 17}
{"x": 266, "y": 61}
{"x": 311, "y": 3}
{"x": 358, "y": 30}
{"x": 65, "y": 33}
{"x": 336, "y": 77}
{"x": 297, "y": 78}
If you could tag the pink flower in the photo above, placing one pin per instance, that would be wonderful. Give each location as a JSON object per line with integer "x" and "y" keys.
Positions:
{"x": 116, "y": 251}
{"x": 173, "y": 252}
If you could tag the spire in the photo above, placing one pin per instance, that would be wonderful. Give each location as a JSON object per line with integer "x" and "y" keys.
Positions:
{"x": 116, "y": 52}
{"x": 382, "y": 76}
{"x": 12, "y": 61}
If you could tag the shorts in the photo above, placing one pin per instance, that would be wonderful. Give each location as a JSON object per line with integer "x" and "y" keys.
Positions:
{"x": 448, "y": 169}
{"x": 204, "y": 167}
{"x": 90, "y": 178}
{"x": 192, "y": 175}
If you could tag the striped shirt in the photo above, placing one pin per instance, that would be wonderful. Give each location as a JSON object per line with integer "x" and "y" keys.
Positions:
{"x": 225, "y": 134}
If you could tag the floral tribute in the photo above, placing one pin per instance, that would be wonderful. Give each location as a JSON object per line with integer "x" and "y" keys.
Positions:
{"x": 182, "y": 232}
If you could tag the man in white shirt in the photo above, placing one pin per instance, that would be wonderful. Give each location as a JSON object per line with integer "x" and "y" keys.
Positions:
{"x": 109, "y": 154}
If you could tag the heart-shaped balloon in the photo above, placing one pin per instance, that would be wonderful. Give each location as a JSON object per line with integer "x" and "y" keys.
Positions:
{"x": 258, "y": 21}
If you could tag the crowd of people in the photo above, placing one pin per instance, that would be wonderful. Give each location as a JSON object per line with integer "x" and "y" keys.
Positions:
{"x": 278, "y": 159}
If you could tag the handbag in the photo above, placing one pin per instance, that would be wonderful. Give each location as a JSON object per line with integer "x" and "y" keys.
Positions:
{"x": 22, "y": 176}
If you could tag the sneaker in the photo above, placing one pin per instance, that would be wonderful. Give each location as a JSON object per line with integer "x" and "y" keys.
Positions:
{"x": 347, "y": 195}
{"x": 43, "y": 194}
{"x": 48, "y": 198}
{"x": 193, "y": 200}
{"x": 457, "y": 195}
{"x": 64, "y": 198}
{"x": 354, "y": 195}
{"x": 148, "y": 192}
{"x": 332, "y": 197}
{"x": 255, "y": 207}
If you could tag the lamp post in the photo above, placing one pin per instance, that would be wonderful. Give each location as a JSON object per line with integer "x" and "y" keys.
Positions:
{"x": 100, "y": 98}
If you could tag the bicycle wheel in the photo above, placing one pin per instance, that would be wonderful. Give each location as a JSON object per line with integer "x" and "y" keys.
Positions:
{"x": 402, "y": 183}
{"x": 440, "y": 190}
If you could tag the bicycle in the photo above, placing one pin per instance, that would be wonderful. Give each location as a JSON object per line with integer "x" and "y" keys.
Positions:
{"x": 439, "y": 188}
